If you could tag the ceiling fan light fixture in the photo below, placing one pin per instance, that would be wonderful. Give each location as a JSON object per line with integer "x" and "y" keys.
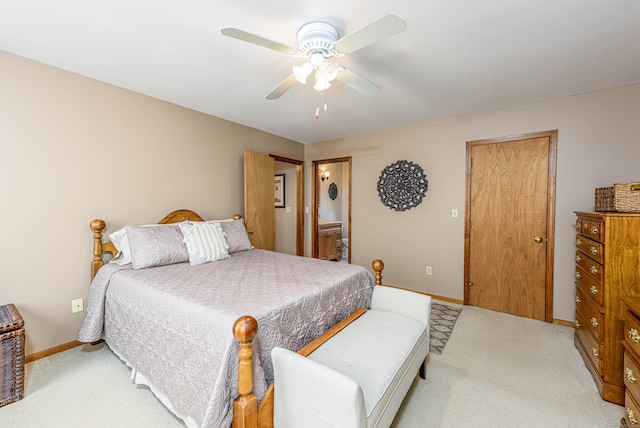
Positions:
{"x": 321, "y": 82}
{"x": 324, "y": 75}
{"x": 302, "y": 72}
{"x": 329, "y": 70}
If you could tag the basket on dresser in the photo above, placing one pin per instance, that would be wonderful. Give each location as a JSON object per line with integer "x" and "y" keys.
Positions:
{"x": 11, "y": 355}
{"x": 621, "y": 197}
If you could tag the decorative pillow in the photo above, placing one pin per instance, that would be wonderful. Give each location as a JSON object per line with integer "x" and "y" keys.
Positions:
{"x": 156, "y": 246}
{"x": 205, "y": 242}
{"x": 236, "y": 234}
{"x": 120, "y": 239}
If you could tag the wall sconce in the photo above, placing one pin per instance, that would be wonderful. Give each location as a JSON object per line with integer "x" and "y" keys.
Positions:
{"x": 324, "y": 175}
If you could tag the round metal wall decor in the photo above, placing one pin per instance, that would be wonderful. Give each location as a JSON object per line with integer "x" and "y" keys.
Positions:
{"x": 333, "y": 191}
{"x": 402, "y": 185}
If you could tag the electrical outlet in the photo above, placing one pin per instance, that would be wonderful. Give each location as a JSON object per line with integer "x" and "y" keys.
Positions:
{"x": 77, "y": 306}
{"x": 428, "y": 270}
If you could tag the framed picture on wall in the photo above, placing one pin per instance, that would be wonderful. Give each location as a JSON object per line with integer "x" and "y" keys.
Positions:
{"x": 278, "y": 190}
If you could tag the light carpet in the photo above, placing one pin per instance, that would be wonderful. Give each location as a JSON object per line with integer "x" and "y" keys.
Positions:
{"x": 497, "y": 370}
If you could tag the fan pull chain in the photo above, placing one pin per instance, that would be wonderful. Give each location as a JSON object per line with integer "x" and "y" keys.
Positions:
{"x": 318, "y": 103}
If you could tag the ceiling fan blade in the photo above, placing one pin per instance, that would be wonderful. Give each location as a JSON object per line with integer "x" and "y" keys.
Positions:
{"x": 357, "y": 82}
{"x": 258, "y": 40}
{"x": 382, "y": 28}
{"x": 283, "y": 87}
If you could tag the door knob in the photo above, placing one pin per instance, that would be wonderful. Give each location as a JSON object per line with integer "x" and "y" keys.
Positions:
{"x": 537, "y": 239}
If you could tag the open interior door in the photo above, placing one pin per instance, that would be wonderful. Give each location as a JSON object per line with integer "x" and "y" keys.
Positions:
{"x": 259, "y": 211}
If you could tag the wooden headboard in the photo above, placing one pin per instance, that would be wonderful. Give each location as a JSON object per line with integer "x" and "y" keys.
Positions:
{"x": 99, "y": 247}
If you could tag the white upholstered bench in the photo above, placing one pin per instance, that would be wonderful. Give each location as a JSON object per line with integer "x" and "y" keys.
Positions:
{"x": 360, "y": 376}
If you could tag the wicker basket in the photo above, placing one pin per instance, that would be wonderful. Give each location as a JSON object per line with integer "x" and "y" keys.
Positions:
{"x": 11, "y": 355}
{"x": 622, "y": 197}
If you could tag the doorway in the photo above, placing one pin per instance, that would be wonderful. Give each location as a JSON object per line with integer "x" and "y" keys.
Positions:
{"x": 290, "y": 220}
{"x": 509, "y": 224}
{"x": 331, "y": 209}
{"x": 259, "y": 203}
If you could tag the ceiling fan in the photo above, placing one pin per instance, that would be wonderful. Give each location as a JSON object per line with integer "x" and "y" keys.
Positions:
{"x": 317, "y": 43}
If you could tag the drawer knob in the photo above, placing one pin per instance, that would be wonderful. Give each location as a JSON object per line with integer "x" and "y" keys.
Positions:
{"x": 594, "y": 230}
{"x": 578, "y": 301}
{"x": 578, "y": 276}
{"x": 594, "y": 251}
{"x": 578, "y": 226}
{"x": 594, "y": 322}
{"x": 593, "y": 289}
{"x": 633, "y": 335}
{"x": 578, "y": 259}
{"x": 576, "y": 324}
{"x": 593, "y": 270}
{"x": 628, "y": 374}
{"x": 578, "y": 243}
{"x": 594, "y": 352}
{"x": 630, "y": 416}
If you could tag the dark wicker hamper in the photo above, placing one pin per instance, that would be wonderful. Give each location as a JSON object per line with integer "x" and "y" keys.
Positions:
{"x": 11, "y": 355}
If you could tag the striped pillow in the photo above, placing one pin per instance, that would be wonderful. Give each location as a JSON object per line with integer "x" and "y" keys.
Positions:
{"x": 205, "y": 242}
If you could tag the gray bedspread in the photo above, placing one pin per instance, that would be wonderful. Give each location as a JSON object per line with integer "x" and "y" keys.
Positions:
{"x": 173, "y": 323}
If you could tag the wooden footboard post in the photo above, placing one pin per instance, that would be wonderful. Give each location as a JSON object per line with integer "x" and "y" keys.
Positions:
{"x": 97, "y": 226}
{"x": 378, "y": 266}
{"x": 245, "y": 406}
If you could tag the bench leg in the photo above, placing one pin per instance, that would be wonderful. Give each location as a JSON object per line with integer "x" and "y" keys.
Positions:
{"x": 423, "y": 370}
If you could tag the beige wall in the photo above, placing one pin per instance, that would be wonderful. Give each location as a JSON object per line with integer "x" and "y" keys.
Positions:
{"x": 73, "y": 149}
{"x": 598, "y": 145}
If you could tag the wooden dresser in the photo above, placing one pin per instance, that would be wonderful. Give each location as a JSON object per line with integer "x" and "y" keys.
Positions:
{"x": 330, "y": 241}
{"x": 607, "y": 268}
{"x": 631, "y": 370}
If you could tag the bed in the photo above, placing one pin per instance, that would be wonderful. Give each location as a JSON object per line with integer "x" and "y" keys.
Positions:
{"x": 173, "y": 321}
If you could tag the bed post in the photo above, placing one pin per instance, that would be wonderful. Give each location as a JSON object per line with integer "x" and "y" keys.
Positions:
{"x": 245, "y": 406}
{"x": 378, "y": 266}
{"x": 97, "y": 226}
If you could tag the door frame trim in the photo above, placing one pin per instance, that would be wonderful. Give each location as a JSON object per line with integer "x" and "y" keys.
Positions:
{"x": 299, "y": 200}
{"x": 315, "y": 197}
{"x": 551, "y": 209}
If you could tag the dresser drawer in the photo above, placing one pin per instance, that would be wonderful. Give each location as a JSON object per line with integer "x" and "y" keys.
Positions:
{"x": 593, "y": 249}
{"x": 631, "y": 375}
{"x": 631, "y": 412}
{"x": 594, "y": 288}
{"x": 589, "y": 343}
{"x": 632, "y": 332}
{"x": 591, "y": 228}
{"x": 592, "y": 316}
{"x": 593, "y": 268}
{"x": 596, "y": 231}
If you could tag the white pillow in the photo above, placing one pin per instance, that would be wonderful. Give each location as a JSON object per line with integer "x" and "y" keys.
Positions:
{"x": 219, "y": 221}
{"x": 205, "y": 242}
{"x": 121, "y": 241}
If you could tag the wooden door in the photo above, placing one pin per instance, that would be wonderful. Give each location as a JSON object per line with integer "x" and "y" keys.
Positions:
{"x": 509, "y": 224}
{"x": 259, "y": 211}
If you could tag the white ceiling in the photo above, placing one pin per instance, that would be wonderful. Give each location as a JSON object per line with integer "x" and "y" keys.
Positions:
{"x": 457, "y": 57}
